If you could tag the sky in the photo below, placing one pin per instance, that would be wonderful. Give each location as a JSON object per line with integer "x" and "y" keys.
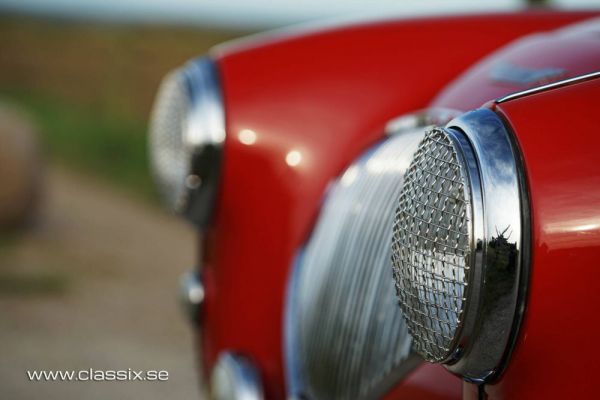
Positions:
{"x": 254, "y": 13}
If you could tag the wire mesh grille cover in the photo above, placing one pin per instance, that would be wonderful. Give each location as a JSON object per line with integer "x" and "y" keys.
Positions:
{"x": 431, "y": 245}
{"x": 169, "y": 157}
{"x": 348, "y": 337}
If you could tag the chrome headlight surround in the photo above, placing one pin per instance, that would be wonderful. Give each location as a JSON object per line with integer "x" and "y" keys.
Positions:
{"x": 494, "y": 289}
{"x": 187, "y": 133}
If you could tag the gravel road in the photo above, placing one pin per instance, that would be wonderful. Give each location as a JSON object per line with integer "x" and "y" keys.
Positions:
{"x": 93, "y": 285}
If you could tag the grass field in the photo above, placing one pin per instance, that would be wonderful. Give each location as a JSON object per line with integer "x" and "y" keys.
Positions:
{"x": 90, "y": 87}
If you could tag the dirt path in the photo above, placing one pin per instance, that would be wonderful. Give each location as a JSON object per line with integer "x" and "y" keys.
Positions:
{"x": 93, "y": 285}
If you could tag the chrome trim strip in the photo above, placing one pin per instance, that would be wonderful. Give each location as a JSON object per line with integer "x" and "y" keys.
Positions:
{"x": 235, "y": 377}
{"x": 554, "y": 85}
{"x": 493, "y": 314}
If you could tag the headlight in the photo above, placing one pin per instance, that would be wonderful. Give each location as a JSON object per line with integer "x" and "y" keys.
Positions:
{"x": 187, "y": 131}
{"x": 459, "y": 237}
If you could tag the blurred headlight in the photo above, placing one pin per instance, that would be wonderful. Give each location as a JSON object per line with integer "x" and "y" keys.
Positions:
{"x": 187, "y": 131}
{"x": 345, "y": 336}
{"x": 458, "y": 240}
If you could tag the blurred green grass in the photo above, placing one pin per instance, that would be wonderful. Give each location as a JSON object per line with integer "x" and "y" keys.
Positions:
{"x": 90, "y": 87}
{"x": 106, "y": 144}
{"x": 32, "y": 284}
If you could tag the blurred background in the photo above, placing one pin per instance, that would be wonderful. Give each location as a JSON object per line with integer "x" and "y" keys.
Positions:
{"x": 89, "y": 262}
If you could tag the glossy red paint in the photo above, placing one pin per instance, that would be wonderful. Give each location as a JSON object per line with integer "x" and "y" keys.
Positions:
{"x": 553, "y": 56}
{"x": 314, "y": 102}
{"x": 428, "y": 382}
{"x": 557, "y": 353}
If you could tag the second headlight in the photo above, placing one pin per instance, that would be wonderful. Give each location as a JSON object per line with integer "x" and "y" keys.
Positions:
{"x": 187, "y": 132}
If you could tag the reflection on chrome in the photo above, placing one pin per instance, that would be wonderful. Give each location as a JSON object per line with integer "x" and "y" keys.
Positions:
{"x": 377, "y": 166}
{"x": 501, "y": 246}
{"x": 206, "y": 116}
{"x": 349, "y": 176}
{"x": 235, "y": 377}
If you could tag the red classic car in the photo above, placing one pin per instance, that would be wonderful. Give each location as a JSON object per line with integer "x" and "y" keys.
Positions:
{"x": 401, "y": 208}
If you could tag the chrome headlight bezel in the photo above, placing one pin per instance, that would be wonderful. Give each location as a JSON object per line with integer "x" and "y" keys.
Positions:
{"x": 495, "y": 299}
{"x": 187, "y": 134}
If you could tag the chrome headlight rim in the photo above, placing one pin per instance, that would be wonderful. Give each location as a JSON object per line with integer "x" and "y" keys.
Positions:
{"x": 199, "y": 134}
{"x": 496, "y": 296}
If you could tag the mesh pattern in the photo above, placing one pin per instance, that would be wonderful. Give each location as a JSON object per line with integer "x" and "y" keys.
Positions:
{"x": 431, "y": 245}
{"x": 170, "y": 160}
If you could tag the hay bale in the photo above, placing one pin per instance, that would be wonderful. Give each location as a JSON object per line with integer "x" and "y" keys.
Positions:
{"x": 20, "y": 167}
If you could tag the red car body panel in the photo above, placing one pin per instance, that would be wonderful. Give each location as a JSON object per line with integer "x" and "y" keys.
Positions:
{"x": 557, "y": 132}
{"x": 427, "y": 382}
{"x": 325, "y": 96}
{"x": 571, "y": 51}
